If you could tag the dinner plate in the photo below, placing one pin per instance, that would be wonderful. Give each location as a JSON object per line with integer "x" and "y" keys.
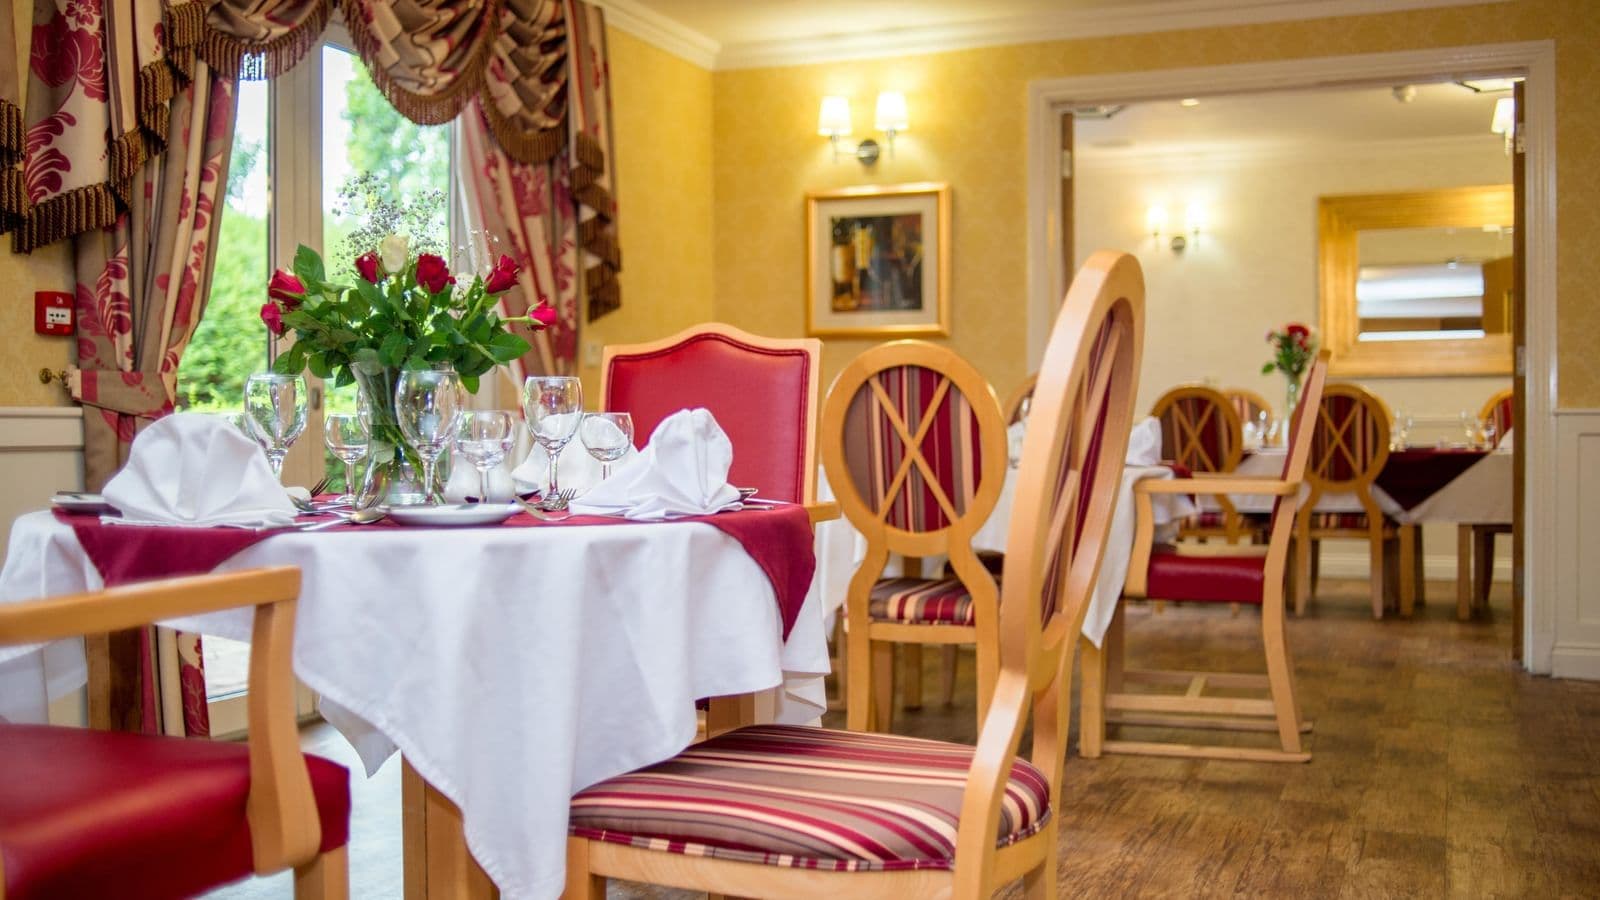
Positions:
{"x": 453, "y": 514}
{"x": 79, "y": 502}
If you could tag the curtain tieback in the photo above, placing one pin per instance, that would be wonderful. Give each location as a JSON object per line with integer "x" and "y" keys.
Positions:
{"x": 129, "y": 393}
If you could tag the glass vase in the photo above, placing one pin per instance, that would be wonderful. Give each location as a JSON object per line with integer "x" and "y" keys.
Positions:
{"x": 393, "y": 466}
{"x": 1291, "y": 400}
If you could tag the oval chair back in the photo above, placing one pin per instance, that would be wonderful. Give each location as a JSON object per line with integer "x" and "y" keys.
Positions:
{"x": 1072, "y": 461}
{"x": 762, "y": 391}
{"x": 1349, "y": 442}
{"x": 1248, "y": 404}
{"x": 1018, "y": 402}
{"x": 1199, "y": 429}
{"x": 1499, "y": 410}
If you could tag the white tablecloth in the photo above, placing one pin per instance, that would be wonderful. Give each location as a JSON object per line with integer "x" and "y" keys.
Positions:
{"x": 1268, "y": 463}
{"x": 512, "y": 667}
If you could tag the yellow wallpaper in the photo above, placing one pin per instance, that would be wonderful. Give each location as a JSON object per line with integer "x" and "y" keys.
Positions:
{"x": 662, "y": 118}
{"x": 968, "y": 127}
{"x": 47, "y": 270}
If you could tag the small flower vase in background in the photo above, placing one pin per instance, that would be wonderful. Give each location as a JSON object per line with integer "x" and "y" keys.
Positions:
{"x": 1292, "y": 350}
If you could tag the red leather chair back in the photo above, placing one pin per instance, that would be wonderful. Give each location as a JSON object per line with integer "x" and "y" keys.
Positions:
{"x": 762, "y": 392}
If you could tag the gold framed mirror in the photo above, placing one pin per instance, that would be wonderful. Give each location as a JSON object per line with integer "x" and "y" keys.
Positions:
{"x": 1417, "y": 283}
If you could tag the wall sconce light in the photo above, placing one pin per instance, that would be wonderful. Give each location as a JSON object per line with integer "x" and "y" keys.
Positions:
{"x": 1155, "y": 220}
{"x": 833, "y": 123}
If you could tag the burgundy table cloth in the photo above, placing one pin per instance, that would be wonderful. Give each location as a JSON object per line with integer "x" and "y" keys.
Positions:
{"x": 1412, "y": 476}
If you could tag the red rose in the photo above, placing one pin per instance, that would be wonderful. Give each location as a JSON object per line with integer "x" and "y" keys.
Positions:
{"x": 504, "y": 276}
{"x": 287, "y": 288}
{"x": 273, "y": 316}
{"x": 367, "y": 265}
{"x": 1297, "y": 331}
{"x": 433, "y": 273}
{"x": 544, "y": 314}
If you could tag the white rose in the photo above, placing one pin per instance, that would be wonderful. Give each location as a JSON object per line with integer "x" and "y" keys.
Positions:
{"x": 392, "y": 251}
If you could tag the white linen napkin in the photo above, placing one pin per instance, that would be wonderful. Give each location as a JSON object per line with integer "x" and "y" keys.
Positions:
{"x": 682, "y": 471}
{"x": 1144, "y": 442}
{"x": 197, "y": 470}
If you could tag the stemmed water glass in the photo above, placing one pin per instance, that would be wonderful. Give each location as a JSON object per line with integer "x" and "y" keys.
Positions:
{"x": 426, "y": 405}
{"x": 346, "y": 435}
{"x": 1488, "y": 429}
{"x": 1400, "y": 433}
{"x": 483, "y": 438}
{"x": 607, "y": 436}
{"x": 275, "y": 413}
{"x": 552, "y": 405}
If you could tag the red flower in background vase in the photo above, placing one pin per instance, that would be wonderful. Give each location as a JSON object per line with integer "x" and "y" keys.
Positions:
{"x": 433, "y": 273}
{"x": 1298, "y": 333}
{"x": 287, "y": 288}
{"x": 504, "y": 276}
{"x": 273, "y": 317}
{"x": 367, "y": 266}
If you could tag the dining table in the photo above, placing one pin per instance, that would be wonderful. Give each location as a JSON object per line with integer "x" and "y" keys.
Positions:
{"x": 509, "y": 665}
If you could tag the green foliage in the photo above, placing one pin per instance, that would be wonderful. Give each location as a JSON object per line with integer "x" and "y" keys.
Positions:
{"x": 231, "y": 342}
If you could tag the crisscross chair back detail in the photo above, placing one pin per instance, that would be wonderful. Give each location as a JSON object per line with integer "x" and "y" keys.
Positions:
{"x": 1247, "y": 403}
{"x": 1498, "y": 410}
{"x": 1350, "y": 440}
{"x": 919, "y": 424}
{"x": 1199, "y": 429}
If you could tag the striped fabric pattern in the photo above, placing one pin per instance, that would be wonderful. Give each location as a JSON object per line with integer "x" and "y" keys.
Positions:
{"x": 921, "y": 601}
{"x": 1360, "y": 435}
{"x": 874, "y": 449}
{"x": 813, "y": 798}
{"x": 1195, "y": 434}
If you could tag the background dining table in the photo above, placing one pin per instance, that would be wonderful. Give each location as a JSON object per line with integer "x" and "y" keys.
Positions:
{"x": 510, "y": 666}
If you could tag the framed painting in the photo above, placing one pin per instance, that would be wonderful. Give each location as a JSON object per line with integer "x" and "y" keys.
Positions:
{"x": 878, "y": 261}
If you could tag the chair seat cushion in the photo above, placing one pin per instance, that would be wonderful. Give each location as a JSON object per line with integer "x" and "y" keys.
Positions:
{"x": 1213, "y": 577}
{"x": 921, "y": 601}
{"x": 105, "y": 814}
{"x": 786, "y": 795}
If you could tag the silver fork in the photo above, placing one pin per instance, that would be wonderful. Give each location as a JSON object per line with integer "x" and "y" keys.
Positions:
{"x": 535, "y": 511}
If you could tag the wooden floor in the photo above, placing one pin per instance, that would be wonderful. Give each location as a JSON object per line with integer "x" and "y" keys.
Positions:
{"x": 1439, "y": 770}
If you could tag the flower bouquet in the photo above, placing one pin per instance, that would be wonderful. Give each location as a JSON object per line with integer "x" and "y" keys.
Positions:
{"x": 1293, "y": 347}
{"x": 401, "y": 313}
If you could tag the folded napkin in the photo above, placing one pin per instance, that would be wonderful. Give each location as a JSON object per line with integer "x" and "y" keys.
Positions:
{"x": 575, "y": 468}
{"x": 682, "y": 471}
{"x": 197, "y": 470}
{"x": 1144, "y": 442}
{"x": 463, "y": 482}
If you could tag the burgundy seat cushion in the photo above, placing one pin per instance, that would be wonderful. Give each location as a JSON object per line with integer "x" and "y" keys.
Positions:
{"x": 103, "y": 814}
{"x": 1216, "y": 578}
{"x": 921, "y": 601}
{"x": 785, "y": 795}
{"x": 757, "y": 395}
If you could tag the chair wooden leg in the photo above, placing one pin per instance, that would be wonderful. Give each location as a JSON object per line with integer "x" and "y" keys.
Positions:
{"x": 1302, "y": 569}
{"x": 1092, "y": 699}
{"x": 1463, "y": 572}
{"x": 911, "y": 691}
{"x": 326, "y": 877}
{"x": 1483, "y": 565}
{"x": 947, "y": 673}
{"x": 1409, "y": 538}
{"x": 883, "y": 678}
{"x": 582, "y": 884}
{"x": 1316, "y": 565}
{"x": 1040, "y": 883}
{"x": 1280, "y": 677}
{"x": 859, "y": 713}
{"x": 1375, "y": 547}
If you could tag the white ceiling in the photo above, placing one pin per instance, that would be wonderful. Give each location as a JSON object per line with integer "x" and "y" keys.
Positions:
{"x": 1289, "y": 119}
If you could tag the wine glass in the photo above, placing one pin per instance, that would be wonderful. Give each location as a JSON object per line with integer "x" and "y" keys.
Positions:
{"x": 346, "y": 435}
{"x": 552, "y": 405}
{"x": 426, "y": 404}
{"x": 1470, "y": 425}
{"x": 275, "y": 411}
{"x": 607, "y": 436}
{"x": 483, "y": 438}
{"x": 1400, "y": 433}
{"x": 1488, "y": 429}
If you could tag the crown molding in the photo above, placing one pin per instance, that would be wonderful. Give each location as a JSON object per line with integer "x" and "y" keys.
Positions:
{"x": 661, "y": 31}
{"x": 1177, "y": 159}
{"x": 1174, "y": 15}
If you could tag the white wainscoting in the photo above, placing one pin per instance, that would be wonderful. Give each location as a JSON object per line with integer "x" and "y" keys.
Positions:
{"x": 41, "y": 452}
{"x": 1576, "y": 611}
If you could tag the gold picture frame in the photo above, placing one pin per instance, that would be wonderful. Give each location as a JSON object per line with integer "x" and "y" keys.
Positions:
{"x": 878, "y": 261}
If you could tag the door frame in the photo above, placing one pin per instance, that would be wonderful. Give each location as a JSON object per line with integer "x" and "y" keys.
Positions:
{"x": 1534, "y": 60}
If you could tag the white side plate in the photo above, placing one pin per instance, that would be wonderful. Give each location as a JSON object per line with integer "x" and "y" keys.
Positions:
{"x": 453, "y": 514}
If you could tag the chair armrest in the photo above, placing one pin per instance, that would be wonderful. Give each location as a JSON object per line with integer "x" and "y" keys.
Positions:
{"x": 1221, "y": 484}
{"x": 285, "y": 830}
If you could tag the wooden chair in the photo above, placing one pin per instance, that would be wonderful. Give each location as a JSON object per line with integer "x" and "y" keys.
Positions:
{"x": 1201, "y": 432}
{"x": 790, "y": 812}
{"x": 1349, "y": 445}
{"x": 1248, "y": 404}
{"x": 1233, "y": 574}
{"x": 1499, "y": 410}
{"x": 915, "y": 449}
{"x": 762, "y": 391}
{"x": 1475, "y": 542}
{"x": 99, "y": 814}
{"x": 1022, "y": 394}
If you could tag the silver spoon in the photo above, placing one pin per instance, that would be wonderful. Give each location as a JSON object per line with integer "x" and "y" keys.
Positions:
{"x": 359, "y": 517}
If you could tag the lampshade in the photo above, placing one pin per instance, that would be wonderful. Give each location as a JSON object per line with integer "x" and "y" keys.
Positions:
{"x": 892, "y": 112}
{"x": 834, "y": 119}
{"x": 1505, "y": 110}
{"x": 1155, "y": 220}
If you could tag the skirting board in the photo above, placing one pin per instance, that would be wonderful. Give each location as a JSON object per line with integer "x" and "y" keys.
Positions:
{"x": 1435, "y": 567}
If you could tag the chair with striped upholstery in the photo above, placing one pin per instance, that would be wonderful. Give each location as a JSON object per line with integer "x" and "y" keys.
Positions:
{"x": 774, "y": 811}
{"x": 763, "y": 392}
{"x": 1201, "y": 432}
{"x": 1249, "y": 405}
{"x": 1349, "y": 445}
{"x": 915, "y": 449}
{"x": 111, "y": 814}
{"x": 1235, "y": 574}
